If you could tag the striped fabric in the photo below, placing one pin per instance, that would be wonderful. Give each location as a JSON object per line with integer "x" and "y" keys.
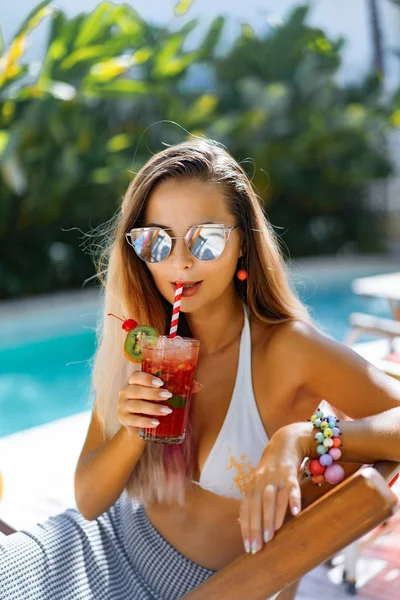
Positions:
{"x": 119, "y": 556}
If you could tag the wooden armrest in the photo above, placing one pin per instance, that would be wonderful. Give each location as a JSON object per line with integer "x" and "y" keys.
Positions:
{"x": 387, "y": 469}
{"x": 332, "y": 522}
{"x": 6, "y": 529}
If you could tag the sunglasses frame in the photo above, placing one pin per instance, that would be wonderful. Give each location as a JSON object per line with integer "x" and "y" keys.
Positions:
{"x": 178, "y": 237}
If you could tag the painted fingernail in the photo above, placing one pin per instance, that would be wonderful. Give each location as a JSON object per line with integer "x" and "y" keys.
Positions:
{"x": 157, "y": 382}
{"x": 154, "y": 422}
{"x": 247, "y": 546}
{"x": 165, "y": 394}
{"x": 165, "y": 410}
{"x": 254, "y": 546}
{"x": 295, "y": 510}
{"x": 266, "y": 536}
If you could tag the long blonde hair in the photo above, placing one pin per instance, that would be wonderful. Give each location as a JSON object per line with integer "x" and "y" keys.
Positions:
{"x": 163, "y": 472}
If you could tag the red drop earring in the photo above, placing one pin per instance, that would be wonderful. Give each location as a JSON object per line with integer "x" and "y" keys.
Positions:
{"x": 242, "y": 274}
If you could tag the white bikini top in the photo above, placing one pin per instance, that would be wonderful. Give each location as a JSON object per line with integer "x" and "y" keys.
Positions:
{"x": 242, "y": 438}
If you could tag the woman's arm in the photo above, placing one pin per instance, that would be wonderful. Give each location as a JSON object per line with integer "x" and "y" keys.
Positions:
{"x": 364, "y": 441}
{"x": 104, "y": 468}
{"x": 336, "y": 373}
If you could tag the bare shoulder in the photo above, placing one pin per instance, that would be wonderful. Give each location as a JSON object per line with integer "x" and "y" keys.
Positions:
{"x": 294, "y": 351}
{"x": 311, "y": 352}
{"x": 290, "y": 339}
{"x": 298, "y": 336}
{"x": 327, "y": 368}
{"x": 278, "y": 353}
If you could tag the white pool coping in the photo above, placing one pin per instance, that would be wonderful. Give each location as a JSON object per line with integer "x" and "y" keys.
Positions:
{"x": 38, "y": 468}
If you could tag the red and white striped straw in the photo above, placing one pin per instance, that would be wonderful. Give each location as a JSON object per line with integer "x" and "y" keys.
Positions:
{"x": 176, "y": 310}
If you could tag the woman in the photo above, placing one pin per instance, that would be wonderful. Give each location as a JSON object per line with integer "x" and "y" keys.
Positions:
{"x": 156, "y": 521}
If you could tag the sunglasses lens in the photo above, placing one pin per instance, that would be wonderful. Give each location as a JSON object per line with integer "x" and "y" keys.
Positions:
{"x": 151, "y": 244}
{"x": 206, "y": 242}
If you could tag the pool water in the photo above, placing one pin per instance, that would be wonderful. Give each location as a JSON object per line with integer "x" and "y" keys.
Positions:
{"x": 45, "y": 361}
{"x": 330, "y": 305}
{"x": 44, "y": 380}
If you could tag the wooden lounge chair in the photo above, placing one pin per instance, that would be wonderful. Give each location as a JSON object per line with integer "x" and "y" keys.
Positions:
{"x": 353, "y": 508}
{"x": 374, "y": 352}
{"x": 370, "y": 324}
{"x": 385, "y": 286}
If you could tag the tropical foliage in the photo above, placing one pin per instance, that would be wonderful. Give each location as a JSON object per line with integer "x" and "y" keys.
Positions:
{"x": 112, "y": 88}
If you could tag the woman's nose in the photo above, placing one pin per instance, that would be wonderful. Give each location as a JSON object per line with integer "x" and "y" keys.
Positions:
{"x": 180, "y": 255}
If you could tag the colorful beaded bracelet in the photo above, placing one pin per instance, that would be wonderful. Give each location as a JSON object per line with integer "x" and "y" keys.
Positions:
{"x": 328, "y": 439}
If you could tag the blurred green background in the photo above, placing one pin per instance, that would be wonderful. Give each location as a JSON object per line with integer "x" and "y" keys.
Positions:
{"x": 113, "y": 87}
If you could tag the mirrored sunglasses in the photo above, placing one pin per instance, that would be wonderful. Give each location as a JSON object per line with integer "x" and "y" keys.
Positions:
{"x": 204, "y": 242}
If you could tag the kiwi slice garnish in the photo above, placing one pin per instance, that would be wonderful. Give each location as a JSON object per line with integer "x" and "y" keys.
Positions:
{"x": 132, "y": 342}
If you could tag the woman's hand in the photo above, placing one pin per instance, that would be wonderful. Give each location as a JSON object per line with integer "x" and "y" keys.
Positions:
{"x": 274, "y": 486}
{"x": 139, "y": 402}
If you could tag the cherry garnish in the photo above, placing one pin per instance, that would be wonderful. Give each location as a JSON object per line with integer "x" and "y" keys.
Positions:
{"x": 127, "y": 324}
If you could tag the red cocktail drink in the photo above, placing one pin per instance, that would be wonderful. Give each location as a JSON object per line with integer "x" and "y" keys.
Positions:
{"x": 174, "y": 361}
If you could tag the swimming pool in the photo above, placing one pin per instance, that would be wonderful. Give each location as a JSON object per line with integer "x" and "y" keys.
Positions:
{"x": 45, "y": 353}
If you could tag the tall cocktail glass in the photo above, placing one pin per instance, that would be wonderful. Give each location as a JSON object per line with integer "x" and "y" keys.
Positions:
{"x": 174, "y": 361}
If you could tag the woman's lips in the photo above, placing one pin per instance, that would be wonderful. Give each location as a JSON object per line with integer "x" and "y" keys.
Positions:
{"x": 190, "y": 291}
